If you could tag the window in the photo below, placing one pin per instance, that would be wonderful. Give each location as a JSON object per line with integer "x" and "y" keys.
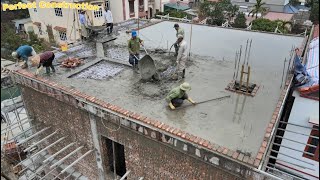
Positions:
{"x": 40, "y": 29}
{"x": 131, "y": 6}
{"x": 107, "y": 4}
{"x": 63, "y": 36}
{"x": 141, "y": 5}
{"x": 115, "y": 153}
{"x": 35, "y": 10}
{"x": 58, "y": 11}
{"x": 314, "y": 149}
{"x": 246, "y": 0}
{"x": 98, "y": 13}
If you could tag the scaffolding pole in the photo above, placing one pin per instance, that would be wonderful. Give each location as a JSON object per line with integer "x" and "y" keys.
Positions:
{"x": 37, "y": 143}
{"x": 66, "y": 157}
{"x": 76, "y": 161}
{"x": 32, "y": 136}
{"x": 54, "y": 143}
{"x": 57, "y": 153}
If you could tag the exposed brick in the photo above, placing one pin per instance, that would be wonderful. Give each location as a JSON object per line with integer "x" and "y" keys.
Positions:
{"x": 235, "y": 155}
{"x": 205, "y": 143}
{"x": 245, "y": 159}
{"x": 220, "y": 149}
{"x": 262, "y": 149}
{"x": 267, "y": 135}
{"x": 160, "y": 125}
{"x": 270, "y": 125}
{"x": 259, "y": 156}
{"x": 240, "y": 157}
{"x": 225, "y": 151}
{"x": 175, "y": 132}
{"x": 230, "y": 153}
{"x": 251, "y": 161}
{"x": 269, "y": 130}
{"x": 201, "y": 141}
{"x": 256, "y": 162}
{"x": 264, "y": 144}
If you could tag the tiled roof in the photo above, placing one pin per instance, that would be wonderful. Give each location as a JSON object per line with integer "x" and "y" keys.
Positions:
{"x": 278, "y": 16}
{"x": 61, "y": 29}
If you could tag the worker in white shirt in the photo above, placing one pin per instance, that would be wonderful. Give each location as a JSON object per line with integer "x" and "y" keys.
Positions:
{"x": 109, "y": 20}
{"x": 182, "y": 55}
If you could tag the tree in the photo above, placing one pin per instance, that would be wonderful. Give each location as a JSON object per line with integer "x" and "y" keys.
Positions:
{"x": 217, "y": 12}
{"x": 258, "y": 8}
{"x": 314, "y": 12}
{"x": 264, "y": 25}
{"x": 240, "y": 21}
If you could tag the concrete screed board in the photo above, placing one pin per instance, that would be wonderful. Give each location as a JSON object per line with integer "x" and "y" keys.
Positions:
{"x": 237, "y": 123}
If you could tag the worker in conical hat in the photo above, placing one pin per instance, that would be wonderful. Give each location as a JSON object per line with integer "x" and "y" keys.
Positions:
{"x": 178, "y": 94}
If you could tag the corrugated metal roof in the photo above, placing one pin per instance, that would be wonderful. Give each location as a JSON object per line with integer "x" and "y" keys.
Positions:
{"x": 290, "y": 9}
{"x": 181, "y": 7}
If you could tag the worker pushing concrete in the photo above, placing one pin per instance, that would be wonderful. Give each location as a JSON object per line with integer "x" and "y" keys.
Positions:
{"x": 23, "y": 53}
{"x": 134, "y": 45}
{"x": 178, "y": 94}
{"x": 182, "y": 57}
{"x": 44, "y": 60}
{"x": 180, "y": 31}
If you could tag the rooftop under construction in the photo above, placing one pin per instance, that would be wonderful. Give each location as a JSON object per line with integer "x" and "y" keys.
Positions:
{"x": 237, "y": 122}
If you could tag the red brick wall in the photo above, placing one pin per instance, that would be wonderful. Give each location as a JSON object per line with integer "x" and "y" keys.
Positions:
{"x": 73, "y": 123}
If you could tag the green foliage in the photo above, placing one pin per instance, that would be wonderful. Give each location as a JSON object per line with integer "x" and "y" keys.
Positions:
{"x": 240, "y": 21}
{"x": 258, "y": 8}
{"x": 270, "y": 26}
{"x": 314, "y": 14}
{"x": 217, "y": 12}
{"x": 173, "y": 13}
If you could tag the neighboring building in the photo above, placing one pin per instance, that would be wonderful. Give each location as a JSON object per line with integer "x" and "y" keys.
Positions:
{"x": 272, "y": 5}
{"x": 295, "y": 149}
{"x": 23, "y": 26}
{"x": 58, "y": 24}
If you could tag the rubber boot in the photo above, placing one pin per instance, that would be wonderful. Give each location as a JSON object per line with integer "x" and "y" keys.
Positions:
{"x": 183, "y": 73}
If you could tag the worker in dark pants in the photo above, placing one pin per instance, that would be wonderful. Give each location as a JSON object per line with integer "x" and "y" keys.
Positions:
{"x": 134, "y": 49}
{"x": 180, "y": 32}
{"x": 109, "y": 20}
{"x": 177, "y": 95}
{"x": 44, "y": 60}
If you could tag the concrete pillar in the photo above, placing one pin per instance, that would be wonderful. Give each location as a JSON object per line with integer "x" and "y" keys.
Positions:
{"x": 100, "y": 50}
{"x": 96, "y": 145}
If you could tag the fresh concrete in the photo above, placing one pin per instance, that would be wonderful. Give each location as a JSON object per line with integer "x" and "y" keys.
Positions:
{"x": 238, "y": 123}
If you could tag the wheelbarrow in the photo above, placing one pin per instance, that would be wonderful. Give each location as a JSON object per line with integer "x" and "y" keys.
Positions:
{"x": 94, "y": 30}
{"x": 146, "y": 66}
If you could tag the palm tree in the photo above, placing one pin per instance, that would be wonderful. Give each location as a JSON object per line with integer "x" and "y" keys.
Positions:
{"x": 257, "y": 8}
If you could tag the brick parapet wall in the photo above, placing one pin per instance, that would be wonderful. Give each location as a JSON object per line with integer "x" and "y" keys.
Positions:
{"x": 218, "y": 156}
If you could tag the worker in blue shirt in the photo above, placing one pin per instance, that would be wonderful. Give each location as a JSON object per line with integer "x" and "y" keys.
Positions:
{"x": 23, "y": 53}
{"x": 84, "y": 25}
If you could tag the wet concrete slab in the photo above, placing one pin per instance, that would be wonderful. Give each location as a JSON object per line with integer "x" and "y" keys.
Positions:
{"x": 239, "y": 122}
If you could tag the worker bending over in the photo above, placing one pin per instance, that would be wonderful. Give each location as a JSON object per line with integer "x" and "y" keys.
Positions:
{"x": 134, "y": 49}
{"x": 182, "y": 57}
{"x": 180, "y": 31}
{"x": 23, "y": 53}
{"x": 178, "y": 94}
{"x": 44, "y": 60}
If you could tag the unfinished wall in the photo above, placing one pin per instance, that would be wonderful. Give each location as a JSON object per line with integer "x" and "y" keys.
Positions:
{"x": 73, "y": 123}
{"x": 151, "y": 148}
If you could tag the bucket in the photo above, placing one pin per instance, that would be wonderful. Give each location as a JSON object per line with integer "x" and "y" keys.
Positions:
{"x": 64, "y": 46}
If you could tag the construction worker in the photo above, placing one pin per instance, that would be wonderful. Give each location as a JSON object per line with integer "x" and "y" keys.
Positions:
{"x": 23, "y": 53}
{"x": 44, "y": 60}
{"x": 178, "y": 94}
{"x": 109, "y": 20}
{"x": 84, "y": 25}
{"x": 182, "y": 56}
{"x": 134, "y": 49}
{"x": 180, "y": 31}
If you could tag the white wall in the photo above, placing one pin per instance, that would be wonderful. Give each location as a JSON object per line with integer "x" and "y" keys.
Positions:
{"x": 117, "y": 10}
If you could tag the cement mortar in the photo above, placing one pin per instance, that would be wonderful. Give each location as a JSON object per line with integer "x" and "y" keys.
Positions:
{"x": 238, "y": 123}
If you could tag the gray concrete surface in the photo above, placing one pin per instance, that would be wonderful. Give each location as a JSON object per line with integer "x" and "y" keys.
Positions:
{"x": 238, "y": 123}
